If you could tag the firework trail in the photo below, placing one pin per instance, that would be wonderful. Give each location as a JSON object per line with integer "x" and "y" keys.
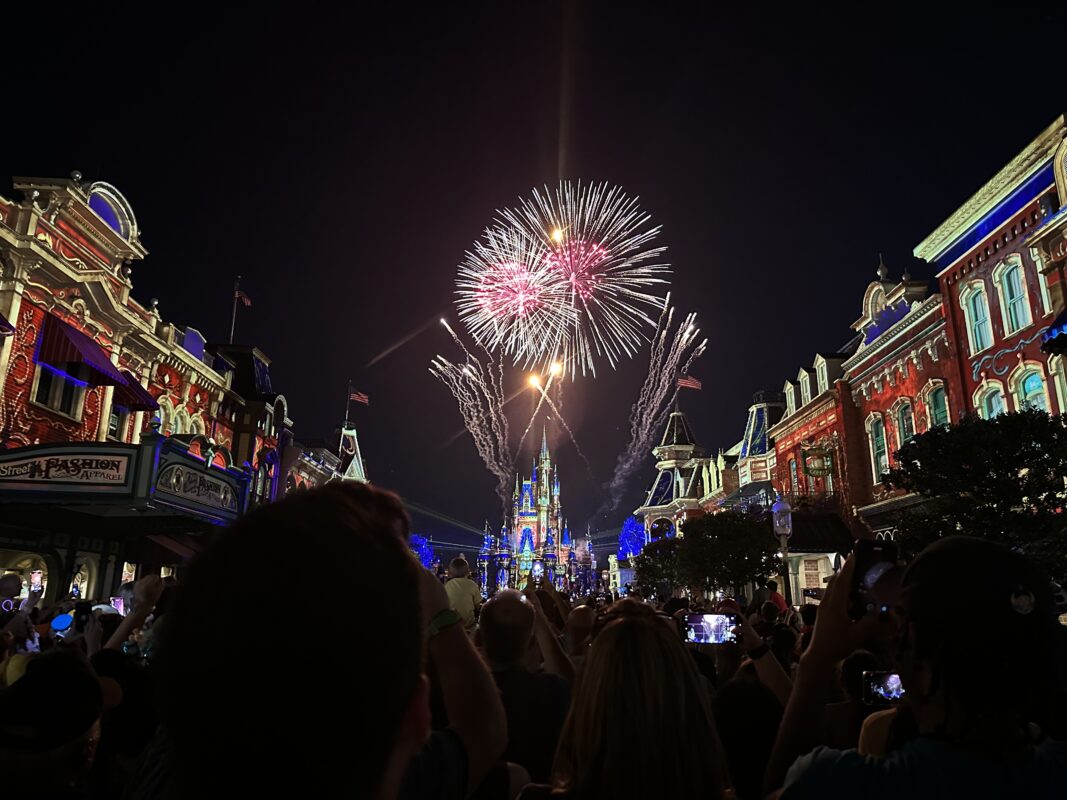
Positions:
{"x": 478, "y": 389}
{"x": 670, "y": 354}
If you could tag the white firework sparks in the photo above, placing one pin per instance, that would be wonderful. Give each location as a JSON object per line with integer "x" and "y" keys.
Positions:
{"x": 478, "y": 390}
{"x": 670, "y": 355}
{"x": 567, "y": 275}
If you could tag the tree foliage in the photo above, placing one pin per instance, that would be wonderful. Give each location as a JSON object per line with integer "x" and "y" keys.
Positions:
{"x": 420, "y": 546}
{"x": 631, "y": 538}
{"x": 722, "y": 551}
{"x": 656, "y": 570}
{"x": 1001, "y": 479}
{"x": 728, "y": 551}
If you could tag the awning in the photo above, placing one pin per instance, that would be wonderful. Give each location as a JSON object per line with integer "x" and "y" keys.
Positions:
{"x": 6, "y": 328}
{"x": 180, "y": 544}
{"x": 62, "y": 346}
{"x": 133, "y": 396}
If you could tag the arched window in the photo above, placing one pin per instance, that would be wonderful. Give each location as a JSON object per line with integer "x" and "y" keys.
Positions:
{"x": 790, "y": 399}
{"x": 879, "y": 453}
{"x": 976, "y": 310}
{"x": 991, "y": 402}
{"x": 937, "y": 406}
{"x": 905, "y": 423}
{"x": 1013, "y": 297}
{"x": 1029, "y": 390}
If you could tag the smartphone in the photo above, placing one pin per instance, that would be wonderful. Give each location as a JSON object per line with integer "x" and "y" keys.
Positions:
{"x": 116, "y": 603}
{"x": 882, "y": 688}
{"x": 710, "y": 628}
{"x": 83, "y": 610}
{"x": 872, "y": 560}
{"x": 36, "y": 578}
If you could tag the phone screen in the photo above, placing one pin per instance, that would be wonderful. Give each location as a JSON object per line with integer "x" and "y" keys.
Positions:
{"x": 873, "y": 560}
{"x": 710, "y": 628}
{"x": 882, "y": 688}
{"x": 116, "y": 603}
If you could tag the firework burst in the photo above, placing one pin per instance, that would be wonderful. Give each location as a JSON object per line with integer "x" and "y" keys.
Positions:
{"x": 568, "y": 275}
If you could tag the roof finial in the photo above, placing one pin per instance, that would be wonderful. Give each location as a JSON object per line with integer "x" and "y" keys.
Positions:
{"x": 544, "y": 441}
{"x": 883, "y": 270}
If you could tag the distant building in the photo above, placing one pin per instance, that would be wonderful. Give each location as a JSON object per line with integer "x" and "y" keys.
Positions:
{"x": 683, "y": 474}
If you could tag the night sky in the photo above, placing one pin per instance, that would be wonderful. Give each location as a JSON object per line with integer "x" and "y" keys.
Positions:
{"x": 342, "y": 165}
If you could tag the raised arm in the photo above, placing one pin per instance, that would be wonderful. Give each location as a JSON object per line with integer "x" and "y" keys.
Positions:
{"x": 145, "y": 596}
{"x": 471, "y": 699}
{"x": 768, "y": 669}
{"x": 834, "y": 637}
{"x": 556, "y": 660}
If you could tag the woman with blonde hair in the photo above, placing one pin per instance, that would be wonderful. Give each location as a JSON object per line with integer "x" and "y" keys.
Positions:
{"x": 640, "y": 724}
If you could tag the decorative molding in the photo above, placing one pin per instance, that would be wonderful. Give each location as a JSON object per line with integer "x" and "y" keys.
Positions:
{"x": 989, "y": 361}
{"x": 1033, "y": 157}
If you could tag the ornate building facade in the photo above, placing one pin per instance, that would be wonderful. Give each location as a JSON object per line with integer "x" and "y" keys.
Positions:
{"x": 131, "y": 431}
{"x": 683, "y": 476}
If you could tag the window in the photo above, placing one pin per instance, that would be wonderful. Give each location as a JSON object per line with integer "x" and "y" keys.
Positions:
{"x": 794, "y": 480}
{"x": 976, "y": 309}
{"x": 60, "y": 391}
{"x": 824, "y": 383}
{"x": 1046, "y": 299}
{"x": 116, "y": 423}
{"x": 1055, "y": 368}
{"x": 905, "y": 424}
{"x": 1031, "y": 391}
{"x": 1016, "y": 311}
{"x": 805, "y": 389}
{"x": 992, "y": 403}
{"x": 790, "y": 400}
{"x": 879, "y": 454}
{"x": 937, "y": 404}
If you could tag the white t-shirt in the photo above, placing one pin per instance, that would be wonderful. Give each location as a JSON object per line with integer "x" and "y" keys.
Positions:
{"x": 464, "y": 597}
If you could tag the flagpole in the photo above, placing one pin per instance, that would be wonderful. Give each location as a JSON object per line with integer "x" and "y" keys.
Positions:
{"x": 348, "y": 400}
{"x": 233, "y": 319}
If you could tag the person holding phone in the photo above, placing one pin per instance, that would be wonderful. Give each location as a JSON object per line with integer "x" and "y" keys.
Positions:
{"x": 977, "y": 736}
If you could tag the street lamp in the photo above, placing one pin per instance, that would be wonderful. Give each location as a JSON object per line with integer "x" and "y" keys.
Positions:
{"x": 782, "y": 517}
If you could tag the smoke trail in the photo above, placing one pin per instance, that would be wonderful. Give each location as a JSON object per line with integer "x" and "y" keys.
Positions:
{"x": 669, "y": 355}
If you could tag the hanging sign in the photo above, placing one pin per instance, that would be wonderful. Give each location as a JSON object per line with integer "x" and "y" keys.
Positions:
{"x": 818, "y": 462}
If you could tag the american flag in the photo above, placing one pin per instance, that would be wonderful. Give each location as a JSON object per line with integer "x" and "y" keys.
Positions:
{"x": 689, "y": 382}
{"x": 358, "y": 397}
{"x": 244, "y": 298}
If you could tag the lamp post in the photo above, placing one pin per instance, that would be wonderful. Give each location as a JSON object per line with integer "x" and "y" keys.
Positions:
{"x": 782, "y": 517}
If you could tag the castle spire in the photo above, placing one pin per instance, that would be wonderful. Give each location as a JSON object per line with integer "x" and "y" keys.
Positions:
{"x": 544, "y": 442}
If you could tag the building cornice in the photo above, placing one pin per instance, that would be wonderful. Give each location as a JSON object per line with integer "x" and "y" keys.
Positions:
{"x": 913, "y": 317}
{"x": 1024, "y": 165}
{"x": 805, "y": 414}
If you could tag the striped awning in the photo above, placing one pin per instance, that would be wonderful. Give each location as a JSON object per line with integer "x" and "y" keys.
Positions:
{"x": 62, "y": 346}
{"x": 6, "y": 328}
{"x": 133, "y": 396}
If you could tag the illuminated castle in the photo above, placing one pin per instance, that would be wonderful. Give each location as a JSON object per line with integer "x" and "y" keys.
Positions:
{"x": 535, "y": 537}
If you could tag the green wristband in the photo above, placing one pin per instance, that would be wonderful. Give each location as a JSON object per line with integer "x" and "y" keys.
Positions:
{"x": 443, "y": 619}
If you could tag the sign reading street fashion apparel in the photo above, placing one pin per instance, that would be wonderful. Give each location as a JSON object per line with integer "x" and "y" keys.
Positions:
{"x": 66, "y": 468}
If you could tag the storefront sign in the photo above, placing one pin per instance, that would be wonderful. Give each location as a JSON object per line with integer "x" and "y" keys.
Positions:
{"x": 196, "y": 486}
{"x": 818, "y": 462}
{"x": 78, "y": 469}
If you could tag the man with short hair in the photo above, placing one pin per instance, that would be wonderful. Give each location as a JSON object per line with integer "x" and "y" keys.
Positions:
{"x": 535, "y": 703}
{"x": 463, "y": 593}
{"x": 775, "y": 597}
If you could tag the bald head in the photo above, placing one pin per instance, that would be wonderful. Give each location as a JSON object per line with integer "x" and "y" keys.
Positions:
{"x": 506, "y": 626}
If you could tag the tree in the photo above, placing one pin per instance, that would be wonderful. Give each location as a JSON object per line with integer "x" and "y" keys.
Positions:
{"x": 420, "y": 546}
{"x": 1001, "y": 479}
{"x": 657, "y": 568}
{"x": 631, "y": 538}
{"x": 727, "y": 551}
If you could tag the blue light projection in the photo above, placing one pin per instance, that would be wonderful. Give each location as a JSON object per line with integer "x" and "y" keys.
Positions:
{"x": 884, "y": 320}
{"x": 108, "y": 214}
{"x": 631, "y": 538}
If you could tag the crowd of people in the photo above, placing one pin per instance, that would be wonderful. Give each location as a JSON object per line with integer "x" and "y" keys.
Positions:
{"x": 385, "y": 682}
